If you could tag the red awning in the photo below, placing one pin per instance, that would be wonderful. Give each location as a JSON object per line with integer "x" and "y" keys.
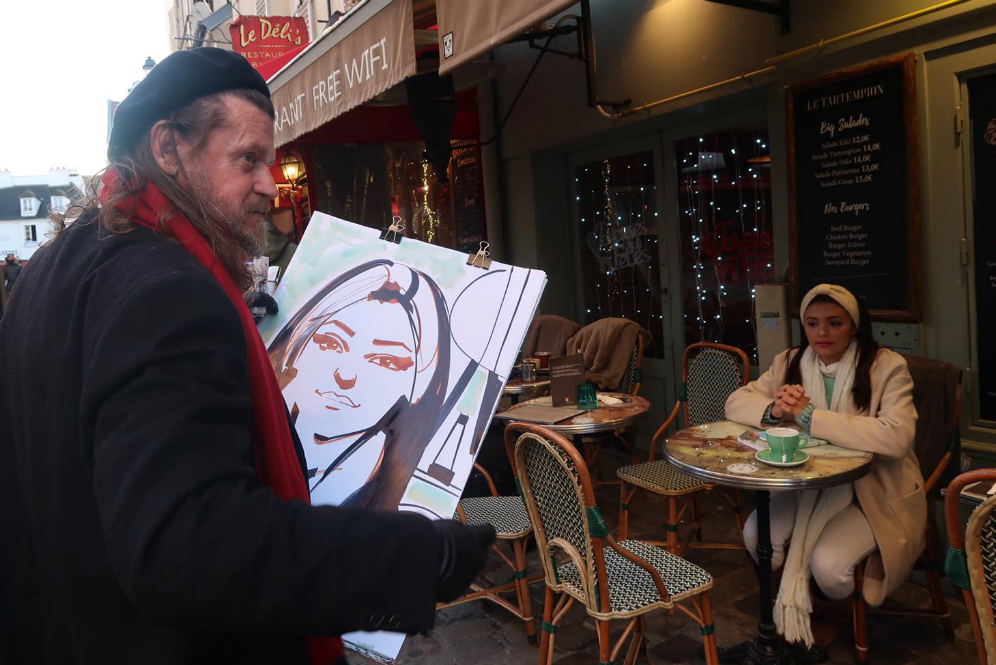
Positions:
{"x": 271, "y": 67}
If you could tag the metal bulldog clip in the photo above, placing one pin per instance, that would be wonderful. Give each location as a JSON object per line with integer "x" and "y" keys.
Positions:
{"x": 482, "y": 258}
{"x": 395, "y": 232}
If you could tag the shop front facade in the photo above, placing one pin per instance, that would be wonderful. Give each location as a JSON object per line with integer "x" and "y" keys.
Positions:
{"x": 674, "y": 214}
{"x": 378, "y": 137}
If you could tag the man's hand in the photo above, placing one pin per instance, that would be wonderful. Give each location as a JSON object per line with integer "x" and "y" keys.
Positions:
{"x": 463, "y": 552}
{"x": 257, "y": 300}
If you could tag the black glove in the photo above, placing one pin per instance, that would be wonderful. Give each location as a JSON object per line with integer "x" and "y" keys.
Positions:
{"x": 463, "y": 550}
{"x": 259, "y": 300}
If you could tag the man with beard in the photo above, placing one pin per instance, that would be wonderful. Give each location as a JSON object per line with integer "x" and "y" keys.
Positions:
{"x": 152, "y": 496}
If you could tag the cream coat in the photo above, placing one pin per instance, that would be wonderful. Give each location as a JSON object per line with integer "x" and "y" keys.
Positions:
{"x": 891, "y": 495}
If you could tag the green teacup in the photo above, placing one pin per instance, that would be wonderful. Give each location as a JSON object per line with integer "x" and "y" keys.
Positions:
{"x": 784, "y": 442}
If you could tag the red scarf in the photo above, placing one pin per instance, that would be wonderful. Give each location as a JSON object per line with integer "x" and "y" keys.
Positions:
{"x": 276, "y": 459}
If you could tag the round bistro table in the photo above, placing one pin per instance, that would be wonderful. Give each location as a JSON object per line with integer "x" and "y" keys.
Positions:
{"x": 713, "y": 454}
{"x": 606, "y": 418}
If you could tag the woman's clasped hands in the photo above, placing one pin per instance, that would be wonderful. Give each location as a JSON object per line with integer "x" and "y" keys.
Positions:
{"x": 790, "y": 400}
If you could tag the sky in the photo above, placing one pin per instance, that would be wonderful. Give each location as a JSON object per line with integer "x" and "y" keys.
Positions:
{"x": 62, "y": 61}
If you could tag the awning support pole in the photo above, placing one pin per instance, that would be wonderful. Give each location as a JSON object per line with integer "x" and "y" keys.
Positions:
{"x": 779, "y": 8}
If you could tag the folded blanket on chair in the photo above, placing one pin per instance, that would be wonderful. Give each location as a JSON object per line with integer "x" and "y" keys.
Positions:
{"x": 549, "y": 332}
{"x": 607, "y": 345}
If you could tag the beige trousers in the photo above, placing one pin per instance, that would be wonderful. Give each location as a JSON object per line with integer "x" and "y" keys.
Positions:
{"x": 845, "y": 542}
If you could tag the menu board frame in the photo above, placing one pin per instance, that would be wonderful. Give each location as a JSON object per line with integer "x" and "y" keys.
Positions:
{"x": 912, "y": 311}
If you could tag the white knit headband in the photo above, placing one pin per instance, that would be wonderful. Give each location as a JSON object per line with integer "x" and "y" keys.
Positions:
{"x": 839, "y": 294}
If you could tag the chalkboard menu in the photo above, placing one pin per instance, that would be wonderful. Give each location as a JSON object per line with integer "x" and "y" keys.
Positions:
{"x": 853, "y": 186}
{"x": 468, "y": 198}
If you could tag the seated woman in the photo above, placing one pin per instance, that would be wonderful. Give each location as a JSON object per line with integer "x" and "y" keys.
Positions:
{"x": 841, "y": 386}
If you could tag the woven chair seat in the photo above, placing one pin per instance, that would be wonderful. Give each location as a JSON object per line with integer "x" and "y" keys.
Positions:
{"x": 659, "y": 476}
{"x": 631, "y": 588}
{"x": 982, "y": 565}
{"x": 507, "y": 514}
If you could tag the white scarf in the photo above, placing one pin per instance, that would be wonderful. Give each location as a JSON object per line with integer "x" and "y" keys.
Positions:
{"x": 812, "y": 369}
{"x": 816, "y": 507}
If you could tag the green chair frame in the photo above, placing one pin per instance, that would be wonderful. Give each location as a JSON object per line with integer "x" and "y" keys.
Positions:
{"x": 560, "y": 498}
{"x": 659, "y": 477}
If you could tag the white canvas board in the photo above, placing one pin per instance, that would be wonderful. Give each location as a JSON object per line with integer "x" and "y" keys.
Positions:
{"x": 392, "y": 358}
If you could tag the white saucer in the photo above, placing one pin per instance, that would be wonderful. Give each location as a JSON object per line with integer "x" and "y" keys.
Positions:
{"x": 762, "y": 456}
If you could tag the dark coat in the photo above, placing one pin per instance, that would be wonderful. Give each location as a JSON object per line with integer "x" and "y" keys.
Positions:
{"x": 10, "y": 273}
{"x": 135, "y": 528}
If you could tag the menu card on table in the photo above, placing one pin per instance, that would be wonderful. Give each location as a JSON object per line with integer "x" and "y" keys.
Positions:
{"x": 566, "y": 374}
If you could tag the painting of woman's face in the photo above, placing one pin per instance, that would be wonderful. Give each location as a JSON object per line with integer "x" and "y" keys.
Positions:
{"x": 352, "y": 370}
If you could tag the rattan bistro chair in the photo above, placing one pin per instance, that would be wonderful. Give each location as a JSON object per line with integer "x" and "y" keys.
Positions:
{"x": 613, "y": 580}
{"x": 507, "y": 514}
{"x": 980, "y": 547}
{"x": 710, "y": 374}
{"x": 631, "y": 383}
{"x": 935, "y": 453}
{"x": 971, "y": 561}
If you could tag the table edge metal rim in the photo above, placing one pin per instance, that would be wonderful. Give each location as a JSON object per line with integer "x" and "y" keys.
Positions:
{"x": 593, "y": 428}
{"x": 526, "y": 389}
{"x": 768, "y": 483}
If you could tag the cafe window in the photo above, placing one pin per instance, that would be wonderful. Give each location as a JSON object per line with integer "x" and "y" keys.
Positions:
{"x": 617, "y": 222}
{"x": 59, "y": 203}
{"x": 29, "y": 205}
{"x": 727, "y": 244}
{"x": 371, "y": 183}
{"x": 303, "y": 10}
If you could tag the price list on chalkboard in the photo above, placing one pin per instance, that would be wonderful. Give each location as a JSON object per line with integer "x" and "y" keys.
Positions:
{"x": 468, "y": 198}
{"x": 853, "y": 186}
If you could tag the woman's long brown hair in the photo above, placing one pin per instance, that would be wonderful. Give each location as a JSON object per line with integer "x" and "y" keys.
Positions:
{"x": 867, "y": 352}
{"x": 194, "y": 124}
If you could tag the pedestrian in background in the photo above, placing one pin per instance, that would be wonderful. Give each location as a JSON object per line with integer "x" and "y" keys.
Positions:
{"x": 11, "y": 269}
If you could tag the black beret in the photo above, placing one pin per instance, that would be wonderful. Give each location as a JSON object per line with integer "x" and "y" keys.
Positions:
{"x": 178, "y": 80}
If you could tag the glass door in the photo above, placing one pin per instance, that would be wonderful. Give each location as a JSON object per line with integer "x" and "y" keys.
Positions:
{"x": 622, "y": 254}
{"x": 980, "y": 92}
{"x": 619, "y": 246}
{"x": 725, "y": 233}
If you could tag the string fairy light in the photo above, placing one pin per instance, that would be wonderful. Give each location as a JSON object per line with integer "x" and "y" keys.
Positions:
{"x": 616, "y": 209}
{"x": 723, "y": 213}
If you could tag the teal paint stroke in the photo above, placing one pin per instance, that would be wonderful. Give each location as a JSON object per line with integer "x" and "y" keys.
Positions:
{"x": 330, "y": 247}
{"x": 431, "y": 498}
{"x": 434, "y": 261}
{"x": 470, "y": 401}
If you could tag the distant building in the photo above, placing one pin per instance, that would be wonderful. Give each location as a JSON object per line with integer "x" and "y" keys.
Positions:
{"x": 25, "y": 205}
{"x": 206, "y": 22}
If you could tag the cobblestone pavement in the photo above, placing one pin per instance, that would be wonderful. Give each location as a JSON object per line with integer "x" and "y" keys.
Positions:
{"x": 482, "y": 633}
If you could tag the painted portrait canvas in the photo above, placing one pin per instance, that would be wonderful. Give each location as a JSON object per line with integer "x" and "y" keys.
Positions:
{"x": 391, "y": 358}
